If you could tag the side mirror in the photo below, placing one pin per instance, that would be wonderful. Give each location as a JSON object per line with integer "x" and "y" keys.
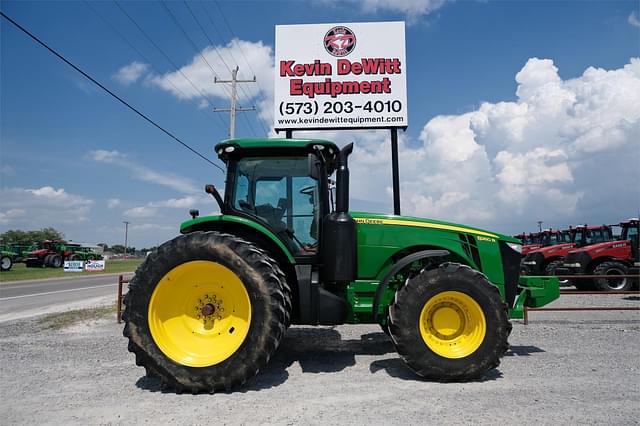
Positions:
{"x": 313, "y": 166}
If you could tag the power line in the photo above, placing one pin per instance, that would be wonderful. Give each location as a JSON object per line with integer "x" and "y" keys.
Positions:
{"x": 184, "y": 33}
{"x": 97, "y": 83}
{"x": 199, "y": 52}
{"x": 165, "y": 56}
{"x": 240, "y": 48}
{"x": 145, "y": 58}
{"x": 223, "y": 61}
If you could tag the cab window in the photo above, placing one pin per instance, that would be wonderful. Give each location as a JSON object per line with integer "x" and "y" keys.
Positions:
{"x": 278, "y": 192}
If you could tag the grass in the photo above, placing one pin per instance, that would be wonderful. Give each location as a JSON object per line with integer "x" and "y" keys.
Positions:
{"x": 62, "y": 320}
{"x": 20, "y": 272}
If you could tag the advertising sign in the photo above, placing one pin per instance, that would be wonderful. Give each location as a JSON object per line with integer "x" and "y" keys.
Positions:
{"x": 73, "y": 265}
{"x": 94, "y": 265}
{"x": 349, "y": 75}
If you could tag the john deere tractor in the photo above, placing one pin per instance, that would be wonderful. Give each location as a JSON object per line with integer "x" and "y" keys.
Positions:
{"x": 207, "y": 309}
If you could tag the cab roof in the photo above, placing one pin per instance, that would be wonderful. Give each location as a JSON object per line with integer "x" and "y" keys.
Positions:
{"x": 276, "y": 143}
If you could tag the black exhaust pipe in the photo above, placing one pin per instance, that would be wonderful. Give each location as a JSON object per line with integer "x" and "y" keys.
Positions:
{"x": 342, "y": 179}
{"x": 338, "y": 245}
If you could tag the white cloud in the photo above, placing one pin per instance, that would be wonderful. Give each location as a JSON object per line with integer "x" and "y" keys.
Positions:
{"x": 143, "y": 173}
{"x": 153, "y": 208}
{"x": 41, "y": 207}
{"x": 151, "y": 227}
{"x": 7, "y": 170}
{"x": 131, "y": 73}
{"x": 249, "y": 56}
{"x": 112, "y": 203}
{"x": 414, "y": 10}
{"x": 188, "y": 202}
{"x": 633, "y": 19}
{"x": 556, "y": 153}
{"x": 10, "y": 215}
{"x": 141, "y": 212}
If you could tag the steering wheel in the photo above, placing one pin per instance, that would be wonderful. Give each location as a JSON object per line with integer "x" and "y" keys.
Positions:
{"x": 308, "y": 190}
{"x": 246, "y": 206}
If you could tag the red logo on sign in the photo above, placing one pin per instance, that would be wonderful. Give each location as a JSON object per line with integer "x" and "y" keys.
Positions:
{"x": 339, "y": 41}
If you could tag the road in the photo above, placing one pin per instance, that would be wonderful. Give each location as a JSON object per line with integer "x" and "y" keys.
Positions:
{"x": 23, "y": 299}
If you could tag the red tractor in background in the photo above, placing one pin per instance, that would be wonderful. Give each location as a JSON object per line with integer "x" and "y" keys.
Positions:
{"x": 545, "y": 260}
{"x": 51, "y": 253}
{"x": 548, "y": 237}
{"x": 618, "y": 257}
{"x": 529, "y": 241}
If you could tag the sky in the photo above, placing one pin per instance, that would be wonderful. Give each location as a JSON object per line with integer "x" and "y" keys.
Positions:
{"x": 518, "y": 111}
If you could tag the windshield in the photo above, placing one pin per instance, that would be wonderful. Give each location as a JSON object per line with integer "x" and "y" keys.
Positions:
{"x": 279, "y": 192}
{"x": 630, "y": 232}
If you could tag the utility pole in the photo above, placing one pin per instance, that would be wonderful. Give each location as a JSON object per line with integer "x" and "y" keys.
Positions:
{"x": 540, "y": 225}
{"x": 126, "y": 232}
{"x": 234, "y": 100}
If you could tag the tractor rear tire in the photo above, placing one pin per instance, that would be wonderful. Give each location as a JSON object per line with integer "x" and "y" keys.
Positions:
{"x": 56, "y": 261}
{"x": 6, "y": 263}
{"x": 612, "y": 268}
{"x": 47, "y": 261}
{"x": 450, "y": 324}
{"x": 206, "y": 311}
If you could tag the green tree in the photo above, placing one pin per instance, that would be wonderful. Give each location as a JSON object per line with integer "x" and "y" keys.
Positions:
{"x": 17, "y": 236}
{"x": 117, "y": 248}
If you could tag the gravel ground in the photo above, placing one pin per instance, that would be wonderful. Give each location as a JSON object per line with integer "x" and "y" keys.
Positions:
{"x": 563, "y": 368}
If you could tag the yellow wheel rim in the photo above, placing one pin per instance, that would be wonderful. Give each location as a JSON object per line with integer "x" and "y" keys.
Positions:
{"x": 199, "y": 313}
{"x": 452, "y": 324}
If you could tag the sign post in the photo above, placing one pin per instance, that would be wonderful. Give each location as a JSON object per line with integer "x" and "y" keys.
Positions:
{"x": 342, "y": 76}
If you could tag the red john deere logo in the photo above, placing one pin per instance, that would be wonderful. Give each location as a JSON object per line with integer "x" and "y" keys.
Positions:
{"x": 339, "y": 41}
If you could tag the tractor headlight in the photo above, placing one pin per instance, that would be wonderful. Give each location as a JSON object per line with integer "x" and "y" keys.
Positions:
{"x": 530, "y": 263}
{"x": 515, "y": 246}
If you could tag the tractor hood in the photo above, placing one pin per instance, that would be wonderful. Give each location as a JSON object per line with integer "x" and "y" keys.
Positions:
{"x": 599, "y": 247}
{"x": 551, "y": 250}
{"x": 39, "y": 252}
{"x": 416, "y": 222}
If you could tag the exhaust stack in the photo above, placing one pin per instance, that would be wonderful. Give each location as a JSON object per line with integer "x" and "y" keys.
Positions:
{"x": 342, "y": 179}
{"x": 338, "y": 246}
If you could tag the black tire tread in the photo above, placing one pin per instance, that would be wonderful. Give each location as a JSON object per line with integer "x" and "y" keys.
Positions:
{"x": 189, "y": 379}
{"x": 602, "y": 284}
{"x": 406, "y": 345}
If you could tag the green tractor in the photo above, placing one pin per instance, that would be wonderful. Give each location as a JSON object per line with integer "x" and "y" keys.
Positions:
{"x": 207, "y": 309}
{"x": 7, "y": 259}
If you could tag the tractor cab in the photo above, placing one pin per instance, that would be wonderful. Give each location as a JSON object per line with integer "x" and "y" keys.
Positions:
{"x": 585, "y": 235}
{"x": 283, "y": 187}
{"x": 630, "y": 232}
{"x": 552, "y": 237}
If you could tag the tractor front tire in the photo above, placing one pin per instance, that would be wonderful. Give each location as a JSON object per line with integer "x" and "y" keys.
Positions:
{"x": 206, "y": 311}
{"x": 5, "y": 263}
{"x": 550, "y": 271}
{"x": 612, "y": 268}
{"x": 450, "y": 324}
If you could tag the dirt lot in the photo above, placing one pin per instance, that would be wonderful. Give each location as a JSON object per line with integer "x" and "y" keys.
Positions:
{"x": 571, "y": 368}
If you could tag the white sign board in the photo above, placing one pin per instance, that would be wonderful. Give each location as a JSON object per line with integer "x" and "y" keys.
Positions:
{"x": 73, "y": 265}
{"x": 340, "y": 76}
{"x": 94, "y": 265}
